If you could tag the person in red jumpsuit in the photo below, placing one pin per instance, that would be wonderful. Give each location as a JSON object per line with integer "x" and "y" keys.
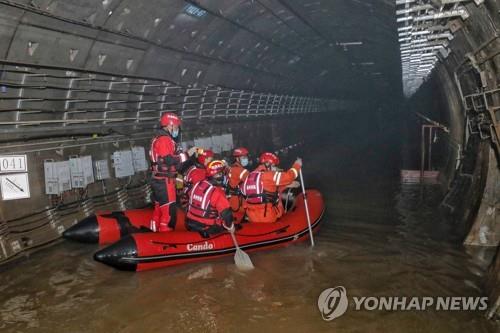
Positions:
{"x": 196, "y": 172}
{"x": 166, "y": 158}
{"x": 237, "y": 174}
{"x": 209, "y": 212}
{"x": 262, "y": 189}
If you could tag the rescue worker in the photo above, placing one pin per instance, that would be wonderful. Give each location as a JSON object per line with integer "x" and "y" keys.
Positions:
{"x": 197, "y": 172}
{"x": 208, "y": 210}
{"x": 262, "y": 189}
{"x": 166, "y": 158}
{"x": 237, "y": 173}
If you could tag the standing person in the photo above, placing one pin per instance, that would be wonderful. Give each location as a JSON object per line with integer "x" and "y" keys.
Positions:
{"x": 237, "y": 174}
{"x": 262, "y": 189}
{"x": 166, "y": 158}
{"x": 208, "y": 211}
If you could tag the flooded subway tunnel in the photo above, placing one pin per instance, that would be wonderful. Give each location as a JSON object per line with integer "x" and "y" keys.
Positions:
{"x": 393, "y": 107}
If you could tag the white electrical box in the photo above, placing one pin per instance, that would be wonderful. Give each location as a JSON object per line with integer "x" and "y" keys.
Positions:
{"x": 205, "y": 143}
{"x": 123, "y": 163}
{"x": 82, "y": 173}
{"x": 185, "y": 145}
{"x": 217, "y": 142}
{"x": 64, "y": 175}
{"x": 139, "y": 159}
{"x": 102, "y": 170}
{"x": 227, "y": 142}
{"x": 51, "y": 179}
{"x": 88, "y": 170}
{"x": 57, "y": 176}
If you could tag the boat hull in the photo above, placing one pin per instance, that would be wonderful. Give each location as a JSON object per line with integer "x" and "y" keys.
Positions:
{"x": 145, "y": 251}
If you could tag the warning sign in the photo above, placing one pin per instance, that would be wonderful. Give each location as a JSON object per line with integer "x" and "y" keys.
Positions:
{"x": 15, "y": 186}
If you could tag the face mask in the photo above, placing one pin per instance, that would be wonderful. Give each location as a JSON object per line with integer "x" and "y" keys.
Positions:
{"x": 244, "y": 161}
{"x": 274, "y": 168}
{"x": 175, "y": 133}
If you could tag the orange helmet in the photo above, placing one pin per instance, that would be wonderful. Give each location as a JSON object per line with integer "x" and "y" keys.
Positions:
{"x": 170, "y": 119}
{"x": 206, "y": 154}
{"x": 269, "y": 158}
{"x": 215, "y": 167}
{"x": 241, "y": 151}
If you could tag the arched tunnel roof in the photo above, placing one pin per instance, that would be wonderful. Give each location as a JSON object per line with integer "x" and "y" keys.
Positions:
{"x": 341, "y": 48}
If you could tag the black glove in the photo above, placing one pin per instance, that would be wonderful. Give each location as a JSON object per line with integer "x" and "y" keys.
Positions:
{"x": 170, "y": 161}
{"x": 227, "y": 219}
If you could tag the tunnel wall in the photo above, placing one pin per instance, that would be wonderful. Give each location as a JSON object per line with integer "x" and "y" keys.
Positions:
{"x": 24, "y": 230}
{"x": 88, "y": 78}
{"x": 469, "y": 80}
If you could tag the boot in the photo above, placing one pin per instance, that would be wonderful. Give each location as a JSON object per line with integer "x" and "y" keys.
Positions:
{"x": 165, "y": 218}
{"x": 155, "y": 218}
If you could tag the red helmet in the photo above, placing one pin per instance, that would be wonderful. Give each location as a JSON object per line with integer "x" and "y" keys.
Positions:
{"x": 203, "y": 156}
{"x": 241, "y": 151}
{"x": 170, "y": 119}
{"x": 215, "y": 167}
{"x": 269, "y": 158}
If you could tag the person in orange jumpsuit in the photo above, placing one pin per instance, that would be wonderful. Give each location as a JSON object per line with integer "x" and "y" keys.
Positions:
{"x": 263, "y": 186}
{"x": 208, "y": 210}
{"x": 237, "y": 174}
{"x": 166, "y": 158}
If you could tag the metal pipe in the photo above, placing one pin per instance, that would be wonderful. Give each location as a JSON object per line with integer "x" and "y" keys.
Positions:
{"x": 422, "y": 154}
{"x": 430, "y": 148}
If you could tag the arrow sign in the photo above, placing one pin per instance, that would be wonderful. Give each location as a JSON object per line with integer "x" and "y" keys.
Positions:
{"x": 15, "y": 186}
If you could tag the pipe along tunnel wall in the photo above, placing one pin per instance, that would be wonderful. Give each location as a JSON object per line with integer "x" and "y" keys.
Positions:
{"x": 76, "y": 80}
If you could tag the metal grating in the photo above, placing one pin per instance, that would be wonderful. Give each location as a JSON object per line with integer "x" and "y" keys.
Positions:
{"x": 51, "y": 96}
{"x": 425, "y": 29}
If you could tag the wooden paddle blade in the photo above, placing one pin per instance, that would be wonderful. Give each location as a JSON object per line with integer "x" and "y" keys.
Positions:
{"x": 243, "y": 261}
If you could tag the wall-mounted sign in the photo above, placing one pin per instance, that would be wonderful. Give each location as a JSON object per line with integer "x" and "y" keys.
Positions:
{"x": 13, "y": 163}
{"x": 15, "y": 186}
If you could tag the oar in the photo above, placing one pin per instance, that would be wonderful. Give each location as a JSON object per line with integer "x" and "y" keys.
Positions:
{"x": 307, "y": 207}
{"x": 241, "y": 259}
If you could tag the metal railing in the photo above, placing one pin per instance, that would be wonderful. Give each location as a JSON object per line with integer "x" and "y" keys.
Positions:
{"x": 33, "y": 95}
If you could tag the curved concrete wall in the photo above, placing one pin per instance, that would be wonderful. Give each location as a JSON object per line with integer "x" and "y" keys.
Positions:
{"x": 466, "y": 77}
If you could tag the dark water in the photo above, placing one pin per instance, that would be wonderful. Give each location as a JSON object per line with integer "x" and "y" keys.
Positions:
{"x": 378, "y": 239}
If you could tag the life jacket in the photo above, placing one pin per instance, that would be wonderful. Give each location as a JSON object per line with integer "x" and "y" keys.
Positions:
{"x": 159, "y": 167}
{"x": 200, "y": 201}
{"x": 253, "y": 190}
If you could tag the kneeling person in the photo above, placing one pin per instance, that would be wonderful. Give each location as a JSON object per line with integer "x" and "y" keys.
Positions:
{"x": 209, "y": 211}
{"x": 263, "y": 186}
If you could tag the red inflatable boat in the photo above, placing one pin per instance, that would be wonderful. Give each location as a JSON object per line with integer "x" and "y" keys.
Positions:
{"x": 108, "y": 227}
{"x": 143, "y": 251}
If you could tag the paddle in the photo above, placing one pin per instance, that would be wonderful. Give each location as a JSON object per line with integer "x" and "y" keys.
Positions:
{"x": 307, "y": 207}
{"x": 241, "y": 259}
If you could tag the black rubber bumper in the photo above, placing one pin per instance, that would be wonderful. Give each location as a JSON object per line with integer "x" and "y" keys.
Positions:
{"x": 85, "y": 231}
{"x": 119, "y": 255}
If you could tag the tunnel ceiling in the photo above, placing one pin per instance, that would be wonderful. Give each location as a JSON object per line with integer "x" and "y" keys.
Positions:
{"x": 330, "y": 48}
